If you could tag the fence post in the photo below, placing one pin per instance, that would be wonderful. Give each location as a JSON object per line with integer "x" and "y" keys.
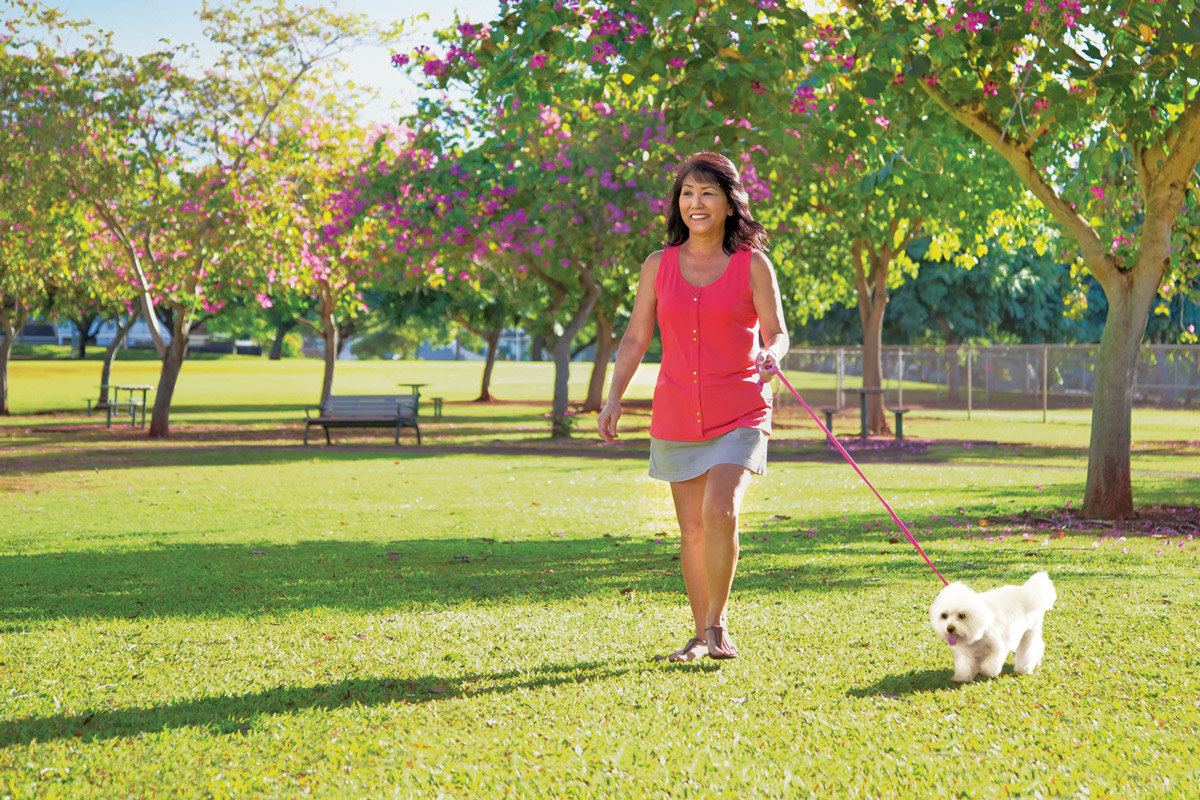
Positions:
{"x": 937, "y": 370}
{"x": 1045, "y": 378}
{"x": 840, "y": 399}
{"x": 968, "y": 381}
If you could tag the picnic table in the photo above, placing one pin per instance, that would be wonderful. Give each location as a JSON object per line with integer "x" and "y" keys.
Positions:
{"x": 128, "y": 404}
{"x": 862, "y": 404}
{"x": 437, "y": 401}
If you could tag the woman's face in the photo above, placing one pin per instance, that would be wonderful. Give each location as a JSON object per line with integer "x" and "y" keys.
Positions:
{"x": 703, "y": 205}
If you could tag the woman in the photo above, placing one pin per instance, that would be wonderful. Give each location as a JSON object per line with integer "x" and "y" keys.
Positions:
{"x": 713, "y": 293}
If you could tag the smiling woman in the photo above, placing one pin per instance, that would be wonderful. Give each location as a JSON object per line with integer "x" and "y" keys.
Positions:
{"x": 714, "y": 295}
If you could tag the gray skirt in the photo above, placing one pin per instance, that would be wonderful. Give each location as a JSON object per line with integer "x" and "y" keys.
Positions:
{"x": 682, "y": 461}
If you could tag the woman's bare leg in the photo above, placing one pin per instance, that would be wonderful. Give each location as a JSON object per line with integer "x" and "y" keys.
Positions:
{"x": 724, "y": 490}
{"x": 689, "y": 510}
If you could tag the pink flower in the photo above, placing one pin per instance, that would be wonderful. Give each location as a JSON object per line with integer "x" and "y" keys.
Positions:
{"x": 538, "y": 61}
{"x": 676, "y": 63}
{"x": 1097, "y": 192}
{"x": 264, "y": 301}
{"x": 990, "y": 88}
{"x": 399, "y": 59}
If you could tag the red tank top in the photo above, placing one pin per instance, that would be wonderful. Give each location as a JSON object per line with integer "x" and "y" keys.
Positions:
{"x": 707, "y": 384}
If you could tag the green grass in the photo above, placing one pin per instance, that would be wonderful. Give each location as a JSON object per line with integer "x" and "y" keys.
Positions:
{"x": 228, "y": 614}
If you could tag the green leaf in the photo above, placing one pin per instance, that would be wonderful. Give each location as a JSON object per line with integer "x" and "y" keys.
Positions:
{"x": 919, "y": 66}
{"x": 874, "y": 82}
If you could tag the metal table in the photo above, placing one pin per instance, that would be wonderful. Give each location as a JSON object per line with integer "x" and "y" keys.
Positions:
{"x": 862, "y": 406}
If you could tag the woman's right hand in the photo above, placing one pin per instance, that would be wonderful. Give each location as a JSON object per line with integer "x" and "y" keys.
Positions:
{"x": 607, "y": 422}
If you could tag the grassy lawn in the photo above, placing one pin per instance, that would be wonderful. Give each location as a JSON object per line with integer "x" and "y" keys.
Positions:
{"x": 229, "y": 614}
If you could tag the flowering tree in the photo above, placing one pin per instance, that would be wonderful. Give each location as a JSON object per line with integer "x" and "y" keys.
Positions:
{"x": 333, "y": 250}
{"x": 553, "y": 192}
{"x": 36, "y": 214}
{"x": 185, "y": 173}
{"x": 1095, "y": 108}
{"x": 822, "y": 161}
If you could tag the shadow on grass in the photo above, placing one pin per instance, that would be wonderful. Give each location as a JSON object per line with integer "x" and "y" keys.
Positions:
{"x": 234, "y": 715}
{"x": 264, "y": 579}
{"x": 917, "y": 682}
{"x": 257, "y": 579}
{"x": 922, "y": 682}
{"x": 124, "y": 448}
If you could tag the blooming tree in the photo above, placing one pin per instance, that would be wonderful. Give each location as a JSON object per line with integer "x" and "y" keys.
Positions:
{"x": 557, "y": 186}
{"x": 1096, "y": 109}
{"x": 186, "y": 172}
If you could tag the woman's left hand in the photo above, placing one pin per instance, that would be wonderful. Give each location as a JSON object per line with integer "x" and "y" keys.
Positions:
{"x": 767, "y": 365}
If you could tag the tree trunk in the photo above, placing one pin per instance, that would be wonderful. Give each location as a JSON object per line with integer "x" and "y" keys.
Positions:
{"x": 606, "y": 343}
{"x": 110, "y": 354}
{"x": 87, "y": 326}
{"x": 493, "y": 346}
{"x": 281, "y": 331}
{"x": 537, "y": 347}
{"x": 872, "y": 365}
{"x": 10, "y": 324}
{"x": 345, "y": 331}
{"x": 872, "y": 300}
{"x": 329, "y": 333}
{"x": 560, "y": 422}
{"x": 1108, "y": 493}
{"x": 81, "y": 329}
{"x": 560, "y": 347}
{"x": 10, "y": 334}
{"x": 172, "y": 362}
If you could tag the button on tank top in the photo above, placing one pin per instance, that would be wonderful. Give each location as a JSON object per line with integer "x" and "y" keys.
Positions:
{"x": 707, "y": 384}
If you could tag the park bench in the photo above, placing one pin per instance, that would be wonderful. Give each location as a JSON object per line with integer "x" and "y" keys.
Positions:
{"x": 365, "y": 411}
{"x": 899, "y": 412}
{"x": 120, "y": 408}
{"x": 829, "y": 412}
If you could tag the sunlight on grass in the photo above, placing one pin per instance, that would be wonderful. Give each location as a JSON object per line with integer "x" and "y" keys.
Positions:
{"x": 228, "y": 613}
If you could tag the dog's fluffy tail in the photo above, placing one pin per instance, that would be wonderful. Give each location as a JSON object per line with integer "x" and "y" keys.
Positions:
{"x": 1043, "y": 589}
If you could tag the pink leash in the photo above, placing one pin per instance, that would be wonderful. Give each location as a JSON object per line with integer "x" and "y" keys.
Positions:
{"x": 846, "y": 455}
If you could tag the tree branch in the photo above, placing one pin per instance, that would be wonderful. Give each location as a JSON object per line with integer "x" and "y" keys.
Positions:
{"x": 976, "y": 119}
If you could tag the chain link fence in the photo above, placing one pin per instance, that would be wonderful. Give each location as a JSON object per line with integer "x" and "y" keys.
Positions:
{"x": 1003, "y": 377}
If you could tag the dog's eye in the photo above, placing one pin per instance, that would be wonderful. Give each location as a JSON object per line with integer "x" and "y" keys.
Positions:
{"x": 944, "y": 615}
{"x": 962, "y": 616}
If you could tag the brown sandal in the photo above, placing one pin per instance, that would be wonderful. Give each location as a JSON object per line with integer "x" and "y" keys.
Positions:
{"x": 714, "y": 650}
{"x": 678, "y": 657}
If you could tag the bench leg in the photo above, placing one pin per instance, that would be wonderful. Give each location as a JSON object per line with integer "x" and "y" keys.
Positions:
{"x": 327, "y": 439}
{"x": 899, "y": 427}
{"x": 829, "y": 421}
{"x": 306, "y": 427}
{"x": 418, "y": 430}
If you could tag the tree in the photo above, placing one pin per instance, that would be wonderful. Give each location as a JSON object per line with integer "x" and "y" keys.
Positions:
{"x": 1095, "y": 108}
{"x": 186, "y": 172}
{"x": 575, "y": 166}
{"x": 337, "y": 251}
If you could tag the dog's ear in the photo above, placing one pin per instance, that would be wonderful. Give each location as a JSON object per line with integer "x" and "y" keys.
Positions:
{"x": 984, "y": 616}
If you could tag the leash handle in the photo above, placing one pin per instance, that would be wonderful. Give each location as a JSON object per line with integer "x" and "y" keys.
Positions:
{"x": 850, "y": 460}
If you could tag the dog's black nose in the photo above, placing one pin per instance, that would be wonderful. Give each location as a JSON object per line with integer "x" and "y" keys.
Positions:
{"x": 949, "y": 629}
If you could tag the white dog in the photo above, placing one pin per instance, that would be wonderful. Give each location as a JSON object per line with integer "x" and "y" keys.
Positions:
{"x": 983, "y": 628}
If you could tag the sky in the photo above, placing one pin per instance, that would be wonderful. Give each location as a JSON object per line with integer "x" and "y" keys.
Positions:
{"x": 139, "y": 25}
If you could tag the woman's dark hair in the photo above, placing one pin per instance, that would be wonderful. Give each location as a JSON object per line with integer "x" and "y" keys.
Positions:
{"x": 741, "y": 231}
